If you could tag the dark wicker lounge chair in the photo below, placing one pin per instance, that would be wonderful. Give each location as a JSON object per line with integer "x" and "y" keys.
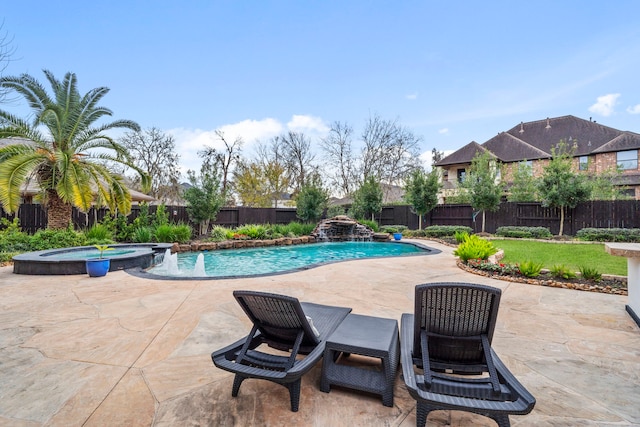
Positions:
{"x": 447, "y": 359}
{"x": 283, "y": 323}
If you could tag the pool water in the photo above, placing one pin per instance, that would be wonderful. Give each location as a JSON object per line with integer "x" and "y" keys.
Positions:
{"x": 90, "y": 253}
{"x": 279, "y": 259}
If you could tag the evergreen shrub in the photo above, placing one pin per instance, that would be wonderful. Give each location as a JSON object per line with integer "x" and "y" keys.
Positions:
{"x": 524, "y": 232}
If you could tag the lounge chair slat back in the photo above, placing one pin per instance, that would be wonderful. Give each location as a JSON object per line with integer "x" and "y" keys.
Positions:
{"x": 279, "y": 318}
{"x": 455, "y": 316}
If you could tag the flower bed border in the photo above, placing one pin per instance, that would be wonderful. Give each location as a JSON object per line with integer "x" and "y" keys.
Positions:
{"x": 542, "y": 282}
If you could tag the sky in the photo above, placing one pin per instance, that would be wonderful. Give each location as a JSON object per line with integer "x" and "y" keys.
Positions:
{"x": 451, "y": 72}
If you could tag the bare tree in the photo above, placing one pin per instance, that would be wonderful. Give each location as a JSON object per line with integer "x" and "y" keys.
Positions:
{"x": 7, "y": 49}
{"x": 154, "y": 152}
{"x": 272, "y": 160}
{"x": 341, "y": 162}
{"x": 223, "y": 160}
{"x": 298, "y": 158}
{"x": 390, "y": 151}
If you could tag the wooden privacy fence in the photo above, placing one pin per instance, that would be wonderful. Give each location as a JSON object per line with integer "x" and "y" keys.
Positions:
{"x": 599, "y": 214}
{"x": 33, "y": 217}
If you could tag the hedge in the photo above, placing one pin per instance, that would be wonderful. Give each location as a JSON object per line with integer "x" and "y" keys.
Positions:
{"x": 524, "y": 232}
{"x": 609, "y": 234}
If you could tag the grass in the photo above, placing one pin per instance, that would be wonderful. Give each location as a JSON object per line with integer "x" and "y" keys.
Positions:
{"x": 571, "y": 255}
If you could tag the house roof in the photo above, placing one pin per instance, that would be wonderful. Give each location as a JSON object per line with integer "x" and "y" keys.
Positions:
{"x": 462, "y": 155}
{"x": 536, "y": 140}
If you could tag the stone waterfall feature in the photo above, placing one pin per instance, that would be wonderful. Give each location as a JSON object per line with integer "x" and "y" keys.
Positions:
{"x": 341, "y": 228}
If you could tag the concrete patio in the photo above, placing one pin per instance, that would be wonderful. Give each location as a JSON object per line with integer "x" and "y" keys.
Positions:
{"x": 126, "y": 351}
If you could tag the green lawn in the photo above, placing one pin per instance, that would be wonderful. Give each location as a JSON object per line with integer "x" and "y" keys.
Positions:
{"x": 571, "y": 255}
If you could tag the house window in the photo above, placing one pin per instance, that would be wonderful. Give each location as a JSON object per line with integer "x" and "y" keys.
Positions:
{"x": 462, "y": 173}
{"x": 527, "y": 163}
{"x": 583, "y": 163}
{"x": 627, "y": 159}
{"x": 628, "y": 193}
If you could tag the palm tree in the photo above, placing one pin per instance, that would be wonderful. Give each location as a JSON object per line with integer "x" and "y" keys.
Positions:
{"x": 61, "y": 148}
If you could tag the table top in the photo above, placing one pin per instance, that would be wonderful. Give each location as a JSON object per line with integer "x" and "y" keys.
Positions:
{"x": 628, "y": 250}
{"x": 374, "y": 333}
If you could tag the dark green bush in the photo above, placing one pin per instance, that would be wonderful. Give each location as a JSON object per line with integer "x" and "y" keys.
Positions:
{"x": 530, "y": 268}
{"x": 12, "y": 240}
{"x": 609, "y": 234}
{"x": 561, "y": 271}
{"x": 415, "y": 233}
{"x": 252, "y": 231}
{"x": 98, "y": 233}
{"x": 298, "y": 228}
{"x": 218, "y": 233}
{"x": 142, "y": 234}
{"x": 169, "y": 233}
{"x": 371, "y": 224}
{"x": 335, "y": 210}
{"x": 445, "y": 230}
{"x": 590, "y": 273}
{"x": 461, "y": 236}
{"x": 393, "y": 228}
{"x": 52, "y": 239}
{"x": 475, "y": 248}
{"x": 524, "y": 232}
{"x": 182, "y": 233}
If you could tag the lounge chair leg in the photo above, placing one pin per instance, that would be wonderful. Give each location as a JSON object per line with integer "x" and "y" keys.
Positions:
{"x": 294, "y": 394}
{"x": 237, "y": 380}
{"x": 501, "y": 419}
{"x": 422, "y": 412}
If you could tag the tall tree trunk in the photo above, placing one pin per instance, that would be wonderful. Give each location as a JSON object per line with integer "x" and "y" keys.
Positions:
{"x": 561, "y": 220}
{"x": 419, "y": 222}
{"x": 58, "y": 211}
{"x": 483, "y": 221}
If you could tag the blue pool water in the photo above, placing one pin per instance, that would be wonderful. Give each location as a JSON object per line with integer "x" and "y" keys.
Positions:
{"x": 90, "y": 253}
{"x": 279, "y": 259}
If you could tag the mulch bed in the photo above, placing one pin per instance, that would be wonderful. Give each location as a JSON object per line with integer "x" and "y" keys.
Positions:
{"x": 607, "y": 285}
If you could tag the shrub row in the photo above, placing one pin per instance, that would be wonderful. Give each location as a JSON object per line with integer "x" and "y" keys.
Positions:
{"x": 524, "y": 232}
{"x": 609, "y": 234}
{"x": 393, "y": 228}
{"x": 440, "y": 231}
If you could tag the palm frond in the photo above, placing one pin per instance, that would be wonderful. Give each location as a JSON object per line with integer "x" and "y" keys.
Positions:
{"x": 13, "y": 173}
{"x": 30, "y": 88}
{"x": 74, "y": 183}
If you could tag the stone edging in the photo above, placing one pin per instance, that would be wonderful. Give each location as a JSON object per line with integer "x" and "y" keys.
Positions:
{"x": 238, "y": 244}
{"x": 550, "y": 283}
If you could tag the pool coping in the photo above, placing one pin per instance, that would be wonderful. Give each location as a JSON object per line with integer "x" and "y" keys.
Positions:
{"x": 143, "y": 273}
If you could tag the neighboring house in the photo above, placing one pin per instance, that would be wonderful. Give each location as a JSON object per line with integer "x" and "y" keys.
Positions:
{"x": 596, "y": 149}
{"x": 30, "y": 189}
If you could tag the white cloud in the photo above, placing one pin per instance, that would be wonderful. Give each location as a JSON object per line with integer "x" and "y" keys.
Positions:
{"x": 412, "y": 96}
{"x": 605, "y": 104}
{"x": 307, "y": 124}
{"x": 190, "y": 141}
{"x": 634, "y": 110}
{"x": 443, "y": 131}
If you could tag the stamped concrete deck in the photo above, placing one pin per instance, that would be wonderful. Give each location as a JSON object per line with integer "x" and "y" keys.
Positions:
{"x": 126, "y": 351}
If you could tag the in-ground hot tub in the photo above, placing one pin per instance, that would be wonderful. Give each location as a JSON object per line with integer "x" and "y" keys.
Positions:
{"x": 72, "y": 260}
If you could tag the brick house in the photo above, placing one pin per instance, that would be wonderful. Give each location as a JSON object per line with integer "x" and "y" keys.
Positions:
{"x": 596, "y": 149}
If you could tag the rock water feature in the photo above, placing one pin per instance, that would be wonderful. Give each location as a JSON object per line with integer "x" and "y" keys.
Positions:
{"x": 342, "y": 228}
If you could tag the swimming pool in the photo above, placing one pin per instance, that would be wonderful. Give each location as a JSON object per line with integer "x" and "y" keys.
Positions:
{"x": 276, "y": 259}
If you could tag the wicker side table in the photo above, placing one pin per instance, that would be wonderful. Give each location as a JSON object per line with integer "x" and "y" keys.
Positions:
{"x": 367, "y": 336}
